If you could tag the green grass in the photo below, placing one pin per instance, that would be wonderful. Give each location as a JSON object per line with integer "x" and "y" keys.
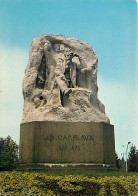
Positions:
{"x": 84, "y": 173}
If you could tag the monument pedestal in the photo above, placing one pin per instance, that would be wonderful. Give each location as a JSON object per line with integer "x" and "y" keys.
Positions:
{"x": 67, "y": 145}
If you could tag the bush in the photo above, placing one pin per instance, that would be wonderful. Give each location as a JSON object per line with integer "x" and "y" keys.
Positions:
{"x": 8, "y": 154}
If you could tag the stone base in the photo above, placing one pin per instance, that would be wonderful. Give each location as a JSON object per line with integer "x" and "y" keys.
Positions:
{"x": 66, "y": 166}
{"x": 82, "y": 145}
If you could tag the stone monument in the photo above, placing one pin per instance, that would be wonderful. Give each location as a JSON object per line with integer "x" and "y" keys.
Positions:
{"x": 64, "y": 123}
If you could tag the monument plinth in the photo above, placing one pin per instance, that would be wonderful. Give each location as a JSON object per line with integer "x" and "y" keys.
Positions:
{"x": 64, "y": 124}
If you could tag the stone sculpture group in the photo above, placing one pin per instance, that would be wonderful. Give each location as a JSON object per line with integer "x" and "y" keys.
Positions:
{"x": 60, "y": 82}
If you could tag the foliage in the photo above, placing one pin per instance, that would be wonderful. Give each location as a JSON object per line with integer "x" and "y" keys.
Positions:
{"x": 133, "y": 159}
{"x": 8, "y": 154}
{"x": 36, "y": 183}
{"x": 117, "y": 161}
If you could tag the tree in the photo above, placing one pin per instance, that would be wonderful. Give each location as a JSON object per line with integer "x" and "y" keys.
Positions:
{"x": 133, "y": 159}
{"x": 117, "y": 161}
{"x": 8, "y": 154}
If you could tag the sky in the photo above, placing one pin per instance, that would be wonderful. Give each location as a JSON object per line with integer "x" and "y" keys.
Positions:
{"x": 110, "y": 27}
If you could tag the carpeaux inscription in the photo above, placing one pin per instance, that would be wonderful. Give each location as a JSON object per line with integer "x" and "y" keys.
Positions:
{"x": 73, "y": 137}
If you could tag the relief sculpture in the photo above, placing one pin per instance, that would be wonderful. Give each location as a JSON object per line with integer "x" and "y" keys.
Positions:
{"x": 60, "y": 82}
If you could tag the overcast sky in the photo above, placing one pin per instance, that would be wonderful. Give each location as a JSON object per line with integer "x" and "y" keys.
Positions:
{"x": 110, "y": 27}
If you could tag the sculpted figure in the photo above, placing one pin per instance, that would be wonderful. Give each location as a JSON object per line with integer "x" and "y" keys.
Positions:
{"x": 60, "y": 82}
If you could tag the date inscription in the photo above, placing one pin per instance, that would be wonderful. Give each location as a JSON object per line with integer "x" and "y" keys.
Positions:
{"x": 65, "y": 147}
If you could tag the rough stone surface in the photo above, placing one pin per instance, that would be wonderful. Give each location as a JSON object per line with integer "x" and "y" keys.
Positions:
{"x": 67, "y": 142}
{"x": 60, "y": 82}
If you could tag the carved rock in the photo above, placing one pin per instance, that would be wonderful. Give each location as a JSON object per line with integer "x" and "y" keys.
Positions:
{"x": 60, "y": 82}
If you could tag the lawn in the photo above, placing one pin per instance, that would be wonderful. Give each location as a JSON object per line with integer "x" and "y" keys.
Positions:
{"x": 68, "y": 183}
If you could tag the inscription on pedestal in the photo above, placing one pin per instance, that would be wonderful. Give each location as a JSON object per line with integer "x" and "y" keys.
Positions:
{"x": 69, "y": 137}
{"x": 62, "y": 137}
